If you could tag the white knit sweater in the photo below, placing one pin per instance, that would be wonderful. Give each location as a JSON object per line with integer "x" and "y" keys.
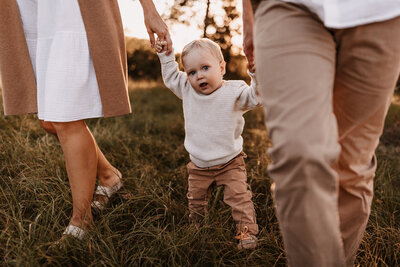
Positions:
{"x": 214, "y": 122}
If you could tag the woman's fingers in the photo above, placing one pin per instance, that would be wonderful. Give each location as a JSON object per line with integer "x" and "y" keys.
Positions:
{"x": 164, "y": 43}
{"x": 158, "y": 27}
{"x": 169, "y": 43}
{"x": 152, "y": 39}
{"x": 163, "y": 35}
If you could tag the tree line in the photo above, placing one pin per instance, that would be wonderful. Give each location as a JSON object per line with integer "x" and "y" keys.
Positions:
{"x": 218, "y": 20}
{"x": 143, "y": 62}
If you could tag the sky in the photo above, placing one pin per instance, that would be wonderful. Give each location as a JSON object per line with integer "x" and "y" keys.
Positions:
{"x": 132, "y": 18}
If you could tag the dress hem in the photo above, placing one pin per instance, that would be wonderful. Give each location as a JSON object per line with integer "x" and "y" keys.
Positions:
{"x": 74, "y": 118}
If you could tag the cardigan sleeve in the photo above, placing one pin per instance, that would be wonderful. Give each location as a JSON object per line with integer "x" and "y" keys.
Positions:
{"x": 174, "y": 79}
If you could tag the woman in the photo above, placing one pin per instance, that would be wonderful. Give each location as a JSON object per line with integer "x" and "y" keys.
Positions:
{"x": 66, "y": 61}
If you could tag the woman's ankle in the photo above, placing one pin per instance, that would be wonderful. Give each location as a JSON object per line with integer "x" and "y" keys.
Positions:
{"x": 109, "y": 177}
{"x": 84, "y": 223}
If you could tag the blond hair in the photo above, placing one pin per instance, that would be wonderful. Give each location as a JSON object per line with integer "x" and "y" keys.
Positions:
{"x": 203, "y": 43}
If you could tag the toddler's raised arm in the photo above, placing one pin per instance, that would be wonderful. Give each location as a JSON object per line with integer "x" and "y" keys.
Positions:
{"x": 249, "y": 98}
{"x": 174, "y": 79}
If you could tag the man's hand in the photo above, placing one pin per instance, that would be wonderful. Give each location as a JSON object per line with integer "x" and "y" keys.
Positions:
{"x": 251, "y": 67}
{"x": 248, "y": 39}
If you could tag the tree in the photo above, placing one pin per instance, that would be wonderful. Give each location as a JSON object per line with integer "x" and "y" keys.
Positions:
{"x": 222, "y": 33}
{"x": 219, "y": 21}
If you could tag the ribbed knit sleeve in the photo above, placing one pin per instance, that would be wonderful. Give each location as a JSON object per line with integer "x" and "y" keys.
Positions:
{"x": 249, "y": 98}
{"x": 174, "y": 79}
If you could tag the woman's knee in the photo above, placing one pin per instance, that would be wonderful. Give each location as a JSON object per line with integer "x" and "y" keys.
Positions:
{"x": 48, "y": 127}
{"x": 61, "y": 127}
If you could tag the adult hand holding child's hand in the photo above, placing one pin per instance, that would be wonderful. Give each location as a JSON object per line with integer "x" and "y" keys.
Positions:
{"x": 161, "y": 45}
{"x": 251, "y": 66}
{"x": 155, "y": 25}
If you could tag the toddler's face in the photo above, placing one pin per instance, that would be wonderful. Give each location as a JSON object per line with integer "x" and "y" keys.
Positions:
{"x": 204, "y": 71}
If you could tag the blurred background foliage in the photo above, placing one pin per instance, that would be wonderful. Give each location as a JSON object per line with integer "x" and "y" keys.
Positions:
{"x": 143, "y": 62}
{"x": 220, "y": 23}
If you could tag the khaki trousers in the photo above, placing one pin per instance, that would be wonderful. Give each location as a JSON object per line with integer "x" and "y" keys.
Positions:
{"x": 326, "y": 93}
{"x": 237, "y": 193}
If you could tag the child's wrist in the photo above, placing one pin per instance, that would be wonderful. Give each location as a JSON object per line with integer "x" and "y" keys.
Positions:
{"x": 164, "y": 58}
{"x": 251, "y": 73}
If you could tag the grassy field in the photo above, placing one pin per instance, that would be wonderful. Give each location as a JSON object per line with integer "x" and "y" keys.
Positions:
{"x": 147, "y": 222}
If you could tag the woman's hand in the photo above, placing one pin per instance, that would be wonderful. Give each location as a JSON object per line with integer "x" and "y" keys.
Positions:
{"x": 155, "y": 25}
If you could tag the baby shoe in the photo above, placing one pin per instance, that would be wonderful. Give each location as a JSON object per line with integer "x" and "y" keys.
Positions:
{"x": 246, "y": 240}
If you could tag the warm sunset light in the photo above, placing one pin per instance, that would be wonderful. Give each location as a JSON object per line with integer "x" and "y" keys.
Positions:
{"x": 132, "y": 17}
{"x": 247, "y": 133}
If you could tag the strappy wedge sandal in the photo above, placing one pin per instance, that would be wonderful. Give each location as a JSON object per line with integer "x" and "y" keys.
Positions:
{"x": 70, "y": 233}
{"x": 75, "y": 231}
{"x": 107, "y": 192}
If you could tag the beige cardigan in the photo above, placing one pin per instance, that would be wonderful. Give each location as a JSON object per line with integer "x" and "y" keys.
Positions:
{"x": 107, "y": 46}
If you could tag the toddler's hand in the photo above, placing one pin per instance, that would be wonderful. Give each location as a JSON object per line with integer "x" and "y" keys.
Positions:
{"x": 160, "y": 46}
{"x": 251, "y": 66}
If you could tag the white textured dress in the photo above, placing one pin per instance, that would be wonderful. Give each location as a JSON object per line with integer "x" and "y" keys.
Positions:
{"x": 67, "y": 88}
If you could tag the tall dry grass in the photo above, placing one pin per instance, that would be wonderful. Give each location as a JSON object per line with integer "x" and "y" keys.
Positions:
{"x": 147, "y": 222}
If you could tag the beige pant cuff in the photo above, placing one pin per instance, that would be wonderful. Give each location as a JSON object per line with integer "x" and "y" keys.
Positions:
{"x": 252, "y": 228}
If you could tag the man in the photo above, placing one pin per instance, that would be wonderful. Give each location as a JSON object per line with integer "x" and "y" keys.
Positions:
{"x": 326, "y": 72}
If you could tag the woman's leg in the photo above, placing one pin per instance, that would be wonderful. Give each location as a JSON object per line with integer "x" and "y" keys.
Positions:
{"x": 108, "y": 175}
{"x": 81, "y": 159}
{"x": 48, "y": 127}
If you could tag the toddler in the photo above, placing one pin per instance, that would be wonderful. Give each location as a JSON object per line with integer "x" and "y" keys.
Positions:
{"x": 213, "y": 111}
